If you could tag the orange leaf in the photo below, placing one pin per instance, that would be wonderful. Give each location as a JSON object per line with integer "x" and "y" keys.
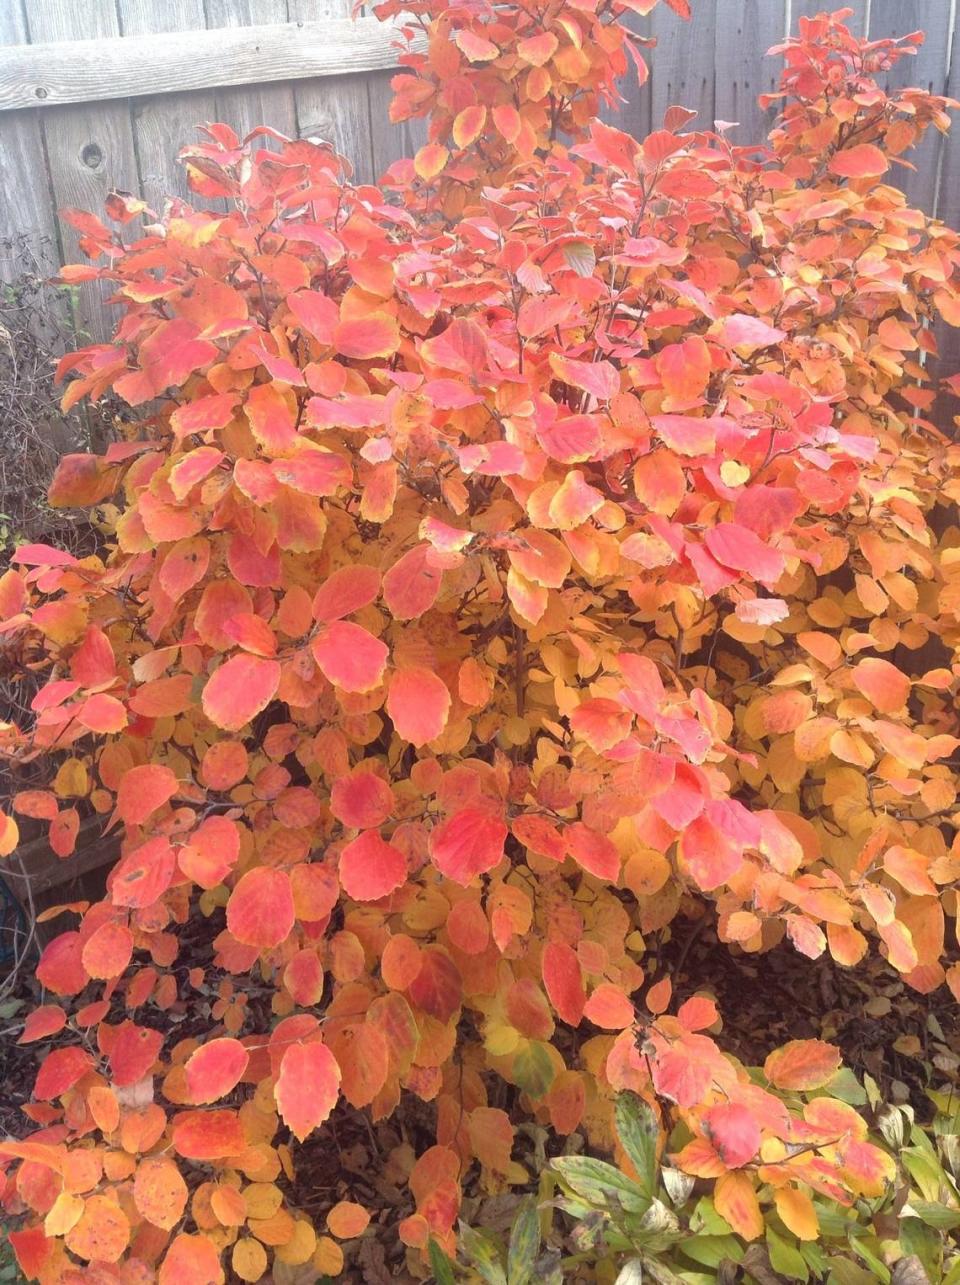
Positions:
{"x": 191, "y": 1258}
{"x": 736, "y": 1200}
{"x": 347, "y": 1219}
{"x": 375, "y": 335}
{"x": 159, "y": 1192}
{"x": 882, "y": 684}
{"x": 102, "y": 1232}
{"x": 207, "y": 1135}
{"x": 418, "y": 702}
{"x": 802, "y": 1064}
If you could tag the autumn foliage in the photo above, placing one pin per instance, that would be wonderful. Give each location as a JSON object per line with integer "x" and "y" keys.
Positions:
{"x": 510, "y": 565}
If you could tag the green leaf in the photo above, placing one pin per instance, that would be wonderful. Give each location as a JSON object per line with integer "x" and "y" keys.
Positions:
{"x": 786, "y": 1258}
{"x": 524, "y": 1244}
{"x": 533, "y": 1069}
{"x": 924, "y": 1169}
{"x": 600, "y": 1184}
{"x": 919, "y": 1239}
{"x": 483, "y": 1255}
{"x": 639, "y": 1131}
{"x": 845, "y": 1272}
{"x": 710, "y": 1251}
{"x": 933, "y": 1214}
{"x": 440, "y": 1265}
{"x": 845, "y": 1086}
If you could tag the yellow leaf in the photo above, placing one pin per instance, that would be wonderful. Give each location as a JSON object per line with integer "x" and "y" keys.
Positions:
{"x": 64, "y": 1214}
{"x": 796, "y": 1209}
{"x": 249, "y": 1259}
{"x": 328, "y": 1257}
{"x": 9, "y": 835}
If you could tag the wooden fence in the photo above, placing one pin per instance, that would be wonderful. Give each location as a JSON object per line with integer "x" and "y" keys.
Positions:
{"x": 101, "y": 94}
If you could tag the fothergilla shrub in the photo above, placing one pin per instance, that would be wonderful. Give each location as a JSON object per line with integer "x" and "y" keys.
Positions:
{"x": 510, "y": 565}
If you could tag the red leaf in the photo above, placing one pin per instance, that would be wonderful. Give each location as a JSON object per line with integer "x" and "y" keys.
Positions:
{"x": 60, "y": 1071}
{"x": 108, "y": 950}
{"x": 350, "y": 657}
{"x": 208, "y": 1135}
{"x": 307, "y": 1087}
{"x": 411, "y": 585}
{"x": 61, "y": 968}
{"x": 743, "y": 331}
{"x": 737, "y": 547}
{"x": 563, "y": 980}
{"x": 609, "y": 1008}
{"x": 347, "y": 590}
{"x": 593, "y": 851}
{"x": 215, "y": 1069}
{"x": 370, "y": 868}
{"x": 239, "y": 689}
{"x": 167, "y": 358}
{"x": 363, "y": 338}
{"x": 271, "y": 417}
{"x": 883, "y": 684}
{"x": 143, "y": 875}
{"x": 438, "y": 987}
{"x": 467, "y": 844}
{"x": 697, "y": 1014}
{"x": 418, "y": 702}
{"x": 212, "y": 852}
{"x": 132, "y": 1052}
{"x": 362, "y": 800}
{"x": 862, "y": 161}
{"x": 260, "y": 910}
{"x": 315, "y": 313}
{"x": 571, "y": 439}
{"x": 42, "y": 1022}
{"x": 734, "y": 1132}
{"x": 686, "y": 434}
{"x": 143, "y": 790}
{"x": 313, "y": 472}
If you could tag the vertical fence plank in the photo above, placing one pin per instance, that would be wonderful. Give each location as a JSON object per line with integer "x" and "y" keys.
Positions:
{"x": 26, "y": 204}
{"x": 928, "y": 70}
{"x": 336, "y": 110}
{"x": 390, "y": 142}
{"x": 948, "y": 209}
{"x": 682, "y": 65}
{"x": 742, "y": 69}
{"x": 89, "y": 147}
{"x": 810, "y": 9}
{"x": 162, "y": 125}
{"x": 632, "y": 115}
{"x": 251, "y": 105}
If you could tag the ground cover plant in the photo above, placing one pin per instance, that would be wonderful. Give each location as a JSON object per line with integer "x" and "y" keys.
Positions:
{"x": 512, "y": 567}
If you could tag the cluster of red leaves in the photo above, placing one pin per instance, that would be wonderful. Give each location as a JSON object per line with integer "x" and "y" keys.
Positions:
{"x": 496, "y": 574}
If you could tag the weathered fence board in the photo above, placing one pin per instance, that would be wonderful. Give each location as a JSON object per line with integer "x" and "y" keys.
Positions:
{"x": 162, "y": 51}
{"x": 168, "y": 25}
{"x": 245, "y": 108}
{"x": 27, "y": 205}
{"x": 338, "y": 111}
{"x": 89, "y": 147}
